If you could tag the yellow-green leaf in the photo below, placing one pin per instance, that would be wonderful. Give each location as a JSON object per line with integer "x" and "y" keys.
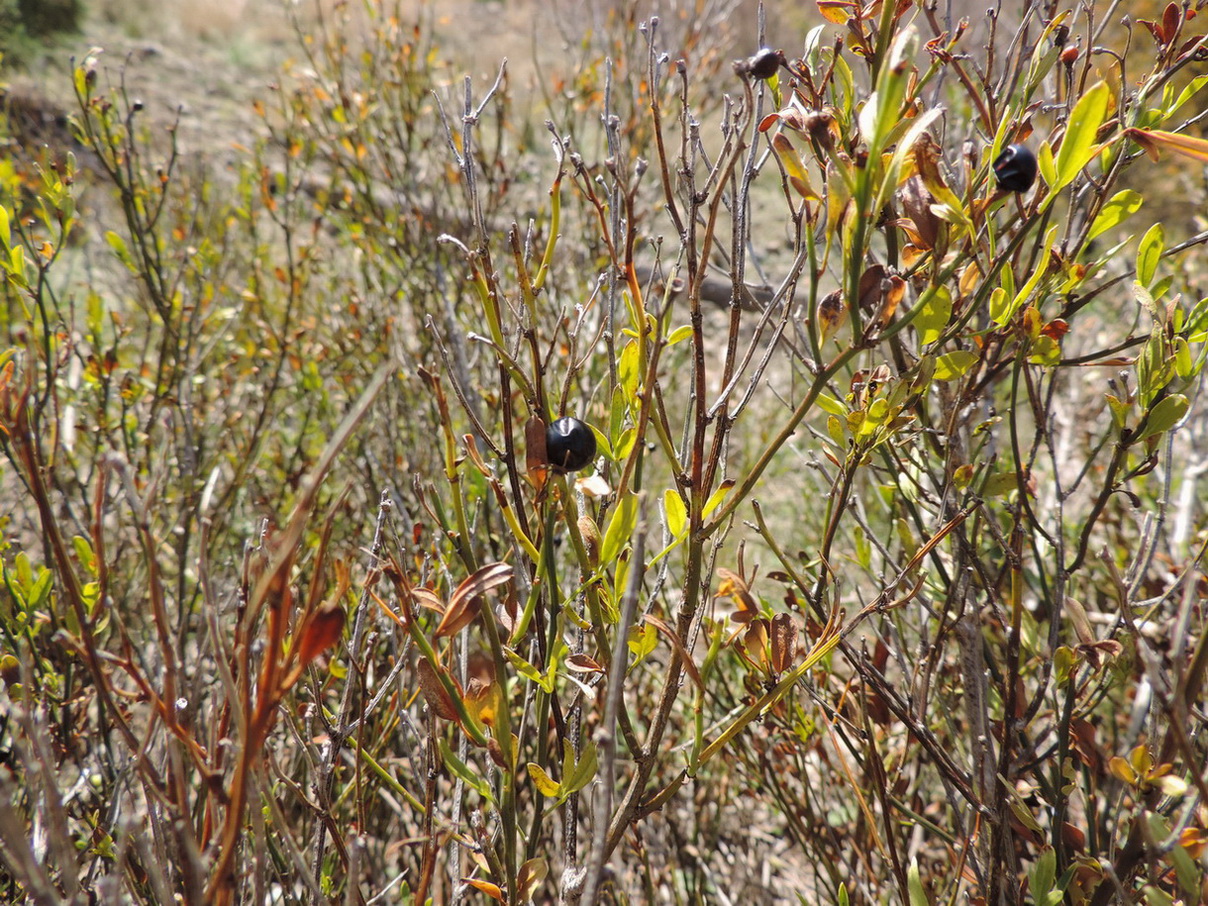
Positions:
{"x": 677, "y": 513}
{"x": 1078, "y": 144}
{"x": 954, "y": 364}
{"x": 542, "y": 780}
{"x": 934, "y": 315}
{"x": 1118, "y": 208}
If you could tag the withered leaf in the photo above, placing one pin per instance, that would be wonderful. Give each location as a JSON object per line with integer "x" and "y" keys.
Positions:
{"x": 536, "y": 460}
{"x": 678, "y": 645}
{"x": 529, "y": 878}
{"x": 322, "y": 631}
{"x": 466, "y": 601}
{"x": 871, "y": 287}
{"x": 734, "y": 586}
{"x": 582, "y": 663}
{"x": 830, "y": 314}
{"x": 893, "y": 298}
{"x": 755, "y": 641}
{"x": 784, "y": 642}
{"x": 434, "y": 691}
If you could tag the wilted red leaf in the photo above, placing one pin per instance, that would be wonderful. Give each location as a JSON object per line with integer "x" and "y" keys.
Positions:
{"x": 457, "y": 619}
{"x": 428, "y": 599}
{"x": 495, "y": 750}
{"x": 1154, "y": 140}
{"x": 872, "y": 286}
{"x": 1073, "y": 837}
{"x": 1056, "y": 329}
{"x": 1171, "y": 18}
{"x": 322, "y": 631}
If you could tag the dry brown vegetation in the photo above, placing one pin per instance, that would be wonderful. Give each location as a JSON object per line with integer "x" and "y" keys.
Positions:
{"x": 881, "y": 581}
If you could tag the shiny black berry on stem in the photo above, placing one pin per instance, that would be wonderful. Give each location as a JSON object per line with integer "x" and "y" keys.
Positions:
{"x": 570, "y": 444}
{"x": 1015, "y": 169}
{"x": 763, "y": 64}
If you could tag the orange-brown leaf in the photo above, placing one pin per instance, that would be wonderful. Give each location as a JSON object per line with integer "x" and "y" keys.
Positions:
{"x": 491, "y": 890}
{"x": 434, "y": 691}
{"x": 536, "y": 460}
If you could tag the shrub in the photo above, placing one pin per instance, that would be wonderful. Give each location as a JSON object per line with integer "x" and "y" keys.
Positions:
{"x": 891, "y": 543}
{"x": 24, "y": 23}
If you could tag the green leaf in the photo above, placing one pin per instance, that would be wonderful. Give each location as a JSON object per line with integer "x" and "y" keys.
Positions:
{"x": 934, "y": 316}
{"x": 627, "y": 370}
{"x": 528, "y": 671}
{"x": 677, "y": 513}
{"x": 999, "y": 483}
{"x": 602, "y": 443}
{"x": 1186, "y": 871}
{"x": 1043, "y": 874}
{"x": 914, "y": 885}
{"x": 1196, "y": 325}
{"x": 1192, "y": 88}
{"x": 1118, "y": 208}
{"x": 998, "y": 305}
{"x": 1184, "y": 363}
{"x": 831, "y": 405}
{"x": 681, "y": 333}
{"x": 1048, "y": 169}
{"x": 583, "y": 772}
{"x": 1149, "y": 252}
{"x": 642, "y": 640}
{"x": 16, "y": 265}
{"x": 954, "y": 364}
{"x": 1078, "y": 144}
{"x": 39, "y": 591}
{"x": 1166, "y": 414}
{"x": 118, "y": 244}
{"x": 621, "y": 525}
{"x": 1038, "y": 274}
{"x": 83, "y": 552}
{"x": 461, "y": 770}
{"x": 5, "y": 234}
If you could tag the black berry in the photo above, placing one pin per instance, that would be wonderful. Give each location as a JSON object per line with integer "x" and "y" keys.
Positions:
{"x": 1015, "y": 169}
{"x": 570, "y": 444}
{"x": 763, "y": 64}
